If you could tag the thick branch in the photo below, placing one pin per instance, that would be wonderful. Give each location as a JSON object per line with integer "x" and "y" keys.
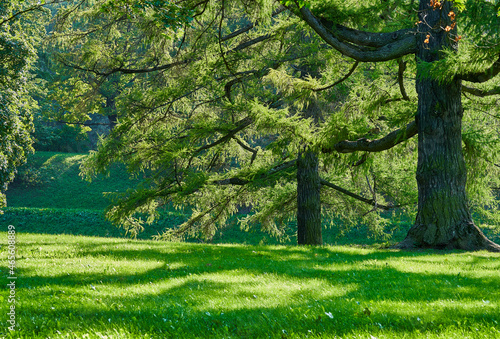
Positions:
{"x": 367, "y": 39}
{"x": 484, "y": 76}
{"x": 378, "y": 145}
{"x": 480, "y": 92}
{"x": 364, "y": 46}
{"x": 372, "y": 202}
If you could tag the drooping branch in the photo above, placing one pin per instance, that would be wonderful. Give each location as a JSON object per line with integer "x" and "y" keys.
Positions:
{"x": 237, "y": 79}
{"x": 121, "y": 69}
{"x": 250, "y": 43}
{"x": 37, "y": 7}
{"x": 371, "y": 202}
{"x": 221, "y": 49}
{"x": 205, "y": 5}
{"x": 353, "y": 68}
{"x": 220, "y": 205}
{"x": 480, "y": 92}
{"x": 240, "y": 125}
{"x": 390, "y": 140}
{"x": 401, "y": 70}
{"x": 83, "y": 123}
{"x": 483, "y": 76}
{"x": 250, "y": 26}
{"x": 247, "y": 148}
{"x": 240, "y": 182}
{"x": 363, "y": 46}
{"x": 126, "y": 70}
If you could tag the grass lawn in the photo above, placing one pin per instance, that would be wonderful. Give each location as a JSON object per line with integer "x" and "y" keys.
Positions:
{"x": 89, "y": 287}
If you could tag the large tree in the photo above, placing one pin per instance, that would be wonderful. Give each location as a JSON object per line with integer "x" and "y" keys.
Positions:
{"x": 443, "y": 218}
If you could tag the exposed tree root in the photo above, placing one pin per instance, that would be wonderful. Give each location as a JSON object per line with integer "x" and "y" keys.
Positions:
{"x": 467, "y": 237}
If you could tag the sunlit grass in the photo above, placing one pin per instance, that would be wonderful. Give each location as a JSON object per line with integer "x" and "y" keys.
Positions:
{"x": 78, "y": 287}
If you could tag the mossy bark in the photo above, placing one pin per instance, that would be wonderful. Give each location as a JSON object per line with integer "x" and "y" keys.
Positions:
{"x": 443, "y": 219}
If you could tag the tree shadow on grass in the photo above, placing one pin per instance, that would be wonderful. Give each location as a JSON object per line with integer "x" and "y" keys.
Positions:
{"x": 328, "y": 290}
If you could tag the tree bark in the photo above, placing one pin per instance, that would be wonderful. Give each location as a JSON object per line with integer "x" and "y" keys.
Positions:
{"x": 309, "y": 230}
{"x": 308, "y": 199}
{"x": 443, "y": 219}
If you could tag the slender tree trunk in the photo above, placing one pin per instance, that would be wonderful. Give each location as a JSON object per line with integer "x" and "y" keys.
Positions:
{"x": 309, "y": 230}
{"x": 308, "y": 199}
{"x": 113, "y": 121}
{"x": 443, "y": 219}
{"x": 111, "y": 110}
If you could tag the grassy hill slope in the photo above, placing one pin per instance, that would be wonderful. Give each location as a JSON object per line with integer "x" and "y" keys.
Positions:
{"x": 52, "y": 180}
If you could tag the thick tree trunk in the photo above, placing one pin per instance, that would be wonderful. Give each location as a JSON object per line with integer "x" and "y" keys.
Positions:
{"x": 443, "y": 219}
{"x": 308, "y": 200}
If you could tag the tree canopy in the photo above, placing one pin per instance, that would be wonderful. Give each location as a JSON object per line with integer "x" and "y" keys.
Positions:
{"x": 228, "y": 104}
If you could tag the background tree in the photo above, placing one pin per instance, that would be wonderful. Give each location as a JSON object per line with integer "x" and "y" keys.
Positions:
{"x": 20, "y": 33}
